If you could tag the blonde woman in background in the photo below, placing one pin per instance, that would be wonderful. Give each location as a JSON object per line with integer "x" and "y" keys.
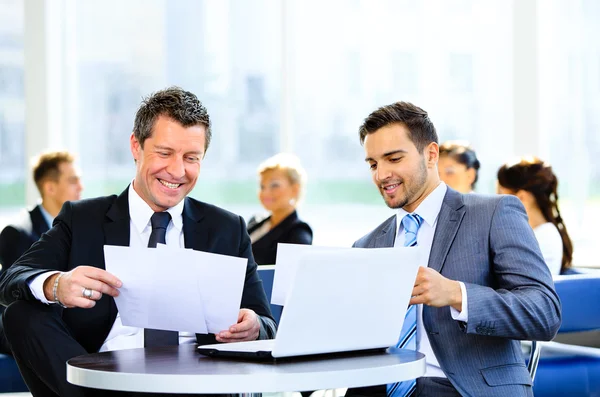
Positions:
{"x": 282, "y": 180}
{"x": 536, "y": 185}
{"x": 458, "y": 166}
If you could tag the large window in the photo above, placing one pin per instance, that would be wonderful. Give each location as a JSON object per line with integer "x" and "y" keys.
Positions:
{"x": 569, "y": 56}
{"x": 352, "y": 57}
{"x": 12, "y": 110}
{"x": 301, "y": 76}
{"x": 458, "y": 69}
{"x": 225, "y": 52}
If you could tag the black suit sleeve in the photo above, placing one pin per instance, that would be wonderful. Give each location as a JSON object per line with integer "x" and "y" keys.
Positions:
{"x": 253, "y": 296}
{"x": 50, "y": 252}
{"x": 13, "y": 242}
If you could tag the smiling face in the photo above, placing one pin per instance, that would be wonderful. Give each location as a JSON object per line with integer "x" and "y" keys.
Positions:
{"x": 168, "y": 165}
{"x": 276, "y": 190}
{"x": 403, "y": 176}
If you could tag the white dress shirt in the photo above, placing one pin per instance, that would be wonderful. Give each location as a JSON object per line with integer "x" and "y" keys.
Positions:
{"x": 120, "y": 336}
{"x": 429, "y": 210}
{"x": 551, "y": 245}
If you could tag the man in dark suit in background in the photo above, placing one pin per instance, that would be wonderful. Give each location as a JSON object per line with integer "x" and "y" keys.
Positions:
{"x": 57, "y": 180}
{"x": 66, "y": 266}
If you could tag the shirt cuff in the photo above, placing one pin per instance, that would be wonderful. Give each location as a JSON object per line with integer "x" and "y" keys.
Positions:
{"x": 36, "y": 286}
{"x": 464, "y": 314}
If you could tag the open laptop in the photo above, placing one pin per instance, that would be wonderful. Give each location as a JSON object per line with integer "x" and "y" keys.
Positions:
{"x": 350, "y": 300}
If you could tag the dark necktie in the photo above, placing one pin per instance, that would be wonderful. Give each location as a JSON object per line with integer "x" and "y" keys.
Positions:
{"x": 155, "y": 337}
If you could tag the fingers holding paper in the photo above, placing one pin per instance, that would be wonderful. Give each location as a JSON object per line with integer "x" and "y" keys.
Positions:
{"x": 81, "y": 287}
{"x": 246, "y": 329}
{"x": 433, "y": 289}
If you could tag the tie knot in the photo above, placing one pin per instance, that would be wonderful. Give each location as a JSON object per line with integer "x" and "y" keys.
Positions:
{"x": 160, "y": 220}
{"x": 411, "y": 223}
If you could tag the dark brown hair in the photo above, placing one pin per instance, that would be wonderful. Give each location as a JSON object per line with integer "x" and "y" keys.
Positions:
{"x": 46, "y": 167}
{"x": 536, "y": 177}
{"x": 180, "y": 105}
{"x": 463, "y": 154}
{"x": 421, "y": 129}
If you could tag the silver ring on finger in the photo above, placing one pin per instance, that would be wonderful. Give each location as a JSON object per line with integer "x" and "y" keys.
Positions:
{"x": 87, "y": 293}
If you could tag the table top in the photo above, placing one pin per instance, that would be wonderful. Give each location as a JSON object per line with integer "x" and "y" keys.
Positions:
{"x": 181, "y": 369}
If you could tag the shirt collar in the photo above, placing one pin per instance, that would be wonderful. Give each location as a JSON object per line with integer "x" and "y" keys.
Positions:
{"x": 47, "y": 217}
{"x": 429, "y": 208}
{"x": 140, "y": 212}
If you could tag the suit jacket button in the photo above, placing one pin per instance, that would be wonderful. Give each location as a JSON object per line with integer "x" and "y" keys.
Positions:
{"x": 16, "y": 294}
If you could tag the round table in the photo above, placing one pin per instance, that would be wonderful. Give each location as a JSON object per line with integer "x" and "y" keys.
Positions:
{"x": 181, "y": 369}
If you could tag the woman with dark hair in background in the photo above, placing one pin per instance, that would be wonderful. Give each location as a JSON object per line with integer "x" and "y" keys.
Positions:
{"x": 458, "y": 166}
{"x": 282, "y": 180}
{"x": 536, "y": 185}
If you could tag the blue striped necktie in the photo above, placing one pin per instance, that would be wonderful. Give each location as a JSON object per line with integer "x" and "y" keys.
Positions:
{"x": 408, "y": 335}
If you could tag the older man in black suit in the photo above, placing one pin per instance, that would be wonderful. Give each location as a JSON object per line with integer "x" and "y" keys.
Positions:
{"x": 66, "y": 266}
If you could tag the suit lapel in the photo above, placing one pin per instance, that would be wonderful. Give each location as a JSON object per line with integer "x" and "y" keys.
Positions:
{"x": 116, "y": 232}
{"x": 116, "y": 226}
{"x": 194, "y": 236}
{"x": 388, "y": 234}
{"x": 255, "y": 222}
{"x": 449, "y": 220}
{"x": 274, "y": 235}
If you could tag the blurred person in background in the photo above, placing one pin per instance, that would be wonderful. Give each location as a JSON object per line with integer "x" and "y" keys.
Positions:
{"x": 58, "y": 181}
{"x": 282, "y": 181}
{"x": 458, "y": 166}
{"x": 535, "y": 184}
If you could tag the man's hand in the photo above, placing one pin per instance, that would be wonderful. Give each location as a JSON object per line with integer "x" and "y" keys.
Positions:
{"x": 247, "y": 328}
{"x": 71, "y": 286}
{"x": 433, "y": 289}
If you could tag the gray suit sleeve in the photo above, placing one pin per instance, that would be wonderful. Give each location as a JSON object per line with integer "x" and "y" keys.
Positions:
{"x": 523, "y": 303}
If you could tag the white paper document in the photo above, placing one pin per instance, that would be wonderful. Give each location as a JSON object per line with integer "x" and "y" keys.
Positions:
{"x": 177, "y": 289}
{"x": 290, "y": 256}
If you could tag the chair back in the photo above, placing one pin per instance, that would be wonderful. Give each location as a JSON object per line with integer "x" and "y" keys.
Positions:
{"x": 534, "y": 359}
{"x": 579, "y": 296}
{"x": 578, "y": 313}
{"x": 266, "y": 274}
{"x": 570, "y": 369}
{"x": 10, "y": 378}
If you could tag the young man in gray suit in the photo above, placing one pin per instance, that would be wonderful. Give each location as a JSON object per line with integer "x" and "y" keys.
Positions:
{"x": 485, "y": 286}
